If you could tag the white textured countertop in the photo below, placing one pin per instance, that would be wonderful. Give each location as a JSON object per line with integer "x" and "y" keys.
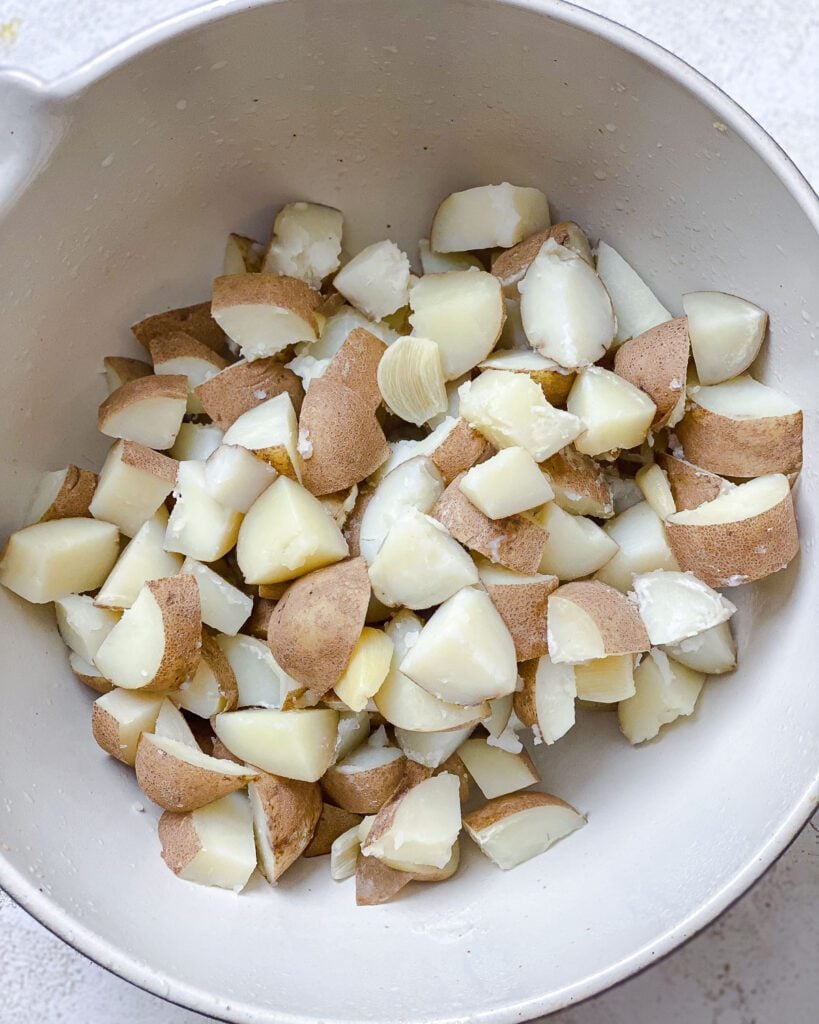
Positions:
{"x": 756, "y": 964}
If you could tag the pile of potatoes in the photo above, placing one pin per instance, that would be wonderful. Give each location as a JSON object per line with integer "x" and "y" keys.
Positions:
{"x": 359, "y": 529}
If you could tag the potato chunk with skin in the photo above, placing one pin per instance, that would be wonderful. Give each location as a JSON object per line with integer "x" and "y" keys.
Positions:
{"x": 63, "y": 494}
{"x": 512, "y": 829}
{"x": 244, "y": 385}
{"x": 726, "y": 334}
{"x": 521, "y": 601}
{"x": 180, "y": 353}
{"x": 285, "y": 534}
{"x": 510, "y": 411}
{"x": 143, "y": 558}
{"x": 270, "y": 431}
{"x": 575, "y": 546}
{"x": 295, "y": 744}
{"x": 488, "y": 216}
{"x": 285, "y": 815}
{"x": 62, "y": 556}
{"x": 546, "y": 702}
{"x": 508, "y": 483}
{"x": 199, "y": 527}
{"x": 120, "y": 717}
{"x": 147, "y": 410}
{"x": 616, "y": 414}
{"x": 134, "y": 481}
{"x": 264, "y": 313}
{"x": 664, "y": 690}
{"x": 235, "y": 477}
{"x": 589, "y": 620}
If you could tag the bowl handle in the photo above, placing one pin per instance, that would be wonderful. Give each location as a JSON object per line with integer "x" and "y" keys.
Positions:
{"x": 31, "y": 125}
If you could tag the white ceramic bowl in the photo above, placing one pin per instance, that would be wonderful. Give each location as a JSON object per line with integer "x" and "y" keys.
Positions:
{"x": 117, "y": 189}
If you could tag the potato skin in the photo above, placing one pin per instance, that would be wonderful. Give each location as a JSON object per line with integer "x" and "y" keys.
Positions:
{"x": 178, "y": 786}
{"x": 333, "y": 822}
{"x": 523, "y": 607}
{"x": 690, "y": 485}
{"x": 656, "y": 362}
{"x": 291, "y": 811}
{"x": 195, "y": 320}
{"x": 741, "y": 448}
{"x": 236, "y": 390}
{"x": 363, "y": 792}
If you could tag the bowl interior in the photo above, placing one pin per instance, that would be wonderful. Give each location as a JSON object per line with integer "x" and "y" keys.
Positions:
{"x": 381, "y": 109}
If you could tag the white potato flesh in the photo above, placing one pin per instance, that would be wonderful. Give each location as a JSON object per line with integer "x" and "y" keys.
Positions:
{"x": 726, "y": 333}
{"x": 235, "y": 477}
{"x": 605, "y": 680}
{"x": 636, "y": 307}
{"x": 433, "y": 262}
{"x": 555, "y": 693}
{"x": 48, "y": 487}
{"x": 306, "y": 242}
{"x": 199, "y": 526}
{"x": 82, "y": 625}
{"x": 171, "y": 725}
{"x": 404, "y": 450}
{"x": 487, "y": 217}
{"x": 286, "y": 533}
{"x": 196, "y": 370}
{"x": 227, "y": 852}
{"x": 575, "y": 546}
{"x": 664, "y": 690}
{"x": 743, "y": 398}
{"x": 508, "y": 483}
{"x": 741, "y": 502}
{"x": 465, "y": 654}
{"x": 344, "y": 854}
{"x": 126, "y": 495}
{"x": 353, "y": 730}
{"x": 419, "y": 871}
{"x": 132, "y": 652}
{"x": 677, "y": 605}
{"x": 295, "y": 744}
{"x": 337, "y": 327}
{"x": 366, "y": 670}
{"x": 714, "y": 651}
{"x": 272, "y": 424}
{"x": 616, "y": 414}
{"x": 462, "y": 312}
{"x": 196, "y": 757}
{"x": 508, "y": 738}
{"x": 133, "y": 713}
{"x": 419, "y": 565}
{"x": 201, "y": 694}
{"x": 196, "y": 442}
{"x": 262, "y": 329}
{"x": 566, "y": 311}
{"x": 143, "y": 558}
{"x": 496, "y": 772}
{"x": 653, "y": 482}
{"x": 224, "y": 607}
{"x": 431, "y": 749}
{"x": 572, "y": 634}
{"x": 424, "y": 826}
{"x": 80, "y": 667}
{"x": 405, "y": 704}
{"x": 521, "y": 836}
{"x": 374, "y": 753}
{"x": 416, "y": 484}
{"x": 376, "y": 281}
{"x": 510, "y": 410}
{"x": 513, "y": 337}
{"x": 411, "y": 379}
{"x": 260, "y": 680}
{"x": 525, "y": 361}
{"x": 242, "y": 255}
{"x": 60, "y": 557}
{"x": 500, "y": 713}
{"x": 643, "y": 547}
{"x": 154, "y": 422}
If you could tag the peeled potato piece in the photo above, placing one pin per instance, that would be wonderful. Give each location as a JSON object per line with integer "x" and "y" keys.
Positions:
{"x": 509, "y": 409}
{"x": 180, "y": 353}
{"x": 726, "y": 334}
{"x": 657, "y": 362}
{"x": 508, "y": 483}
{"x": 664, "y": 690}
{"x": 416, "y": 484}
{"x": 376, "y": 281}
{"x": 364, "y": 780}
{"x": 432, "y": 749}
{"x": 285, "y": 815}
{"x": 465, "y": 653}
{"x": 678, "y": 605}
{"x": 306, "y": 242}
{"x": 264, "y": 313}
{"x": 199, "y": 526}
{"x": 555, "y": 381}
{"x": 244, "y": 385}
{"x": 147, "y": 410}
{"x": 196, "y": 441}
{"x": 546, "y": 702}
{"x": 615, "y": 413}
{"x": 120, "y": 717}
{"x": 714, "y": 651}
{"x": 419, "y": 564}
{"x": 296, "y": 744}
{"x": 579, "y": 485}
{"x": 82, "y": 625}
{"x": 575, "y": 546}
{"x": 120, "y": 369}
{"x": 516, "y": 542}
{"x": 514, "y": 828}
{"x": 496, "y": 771}
{"x": 212, "y": 845}
{"x": 566, "y": 311}
{"x": 488, "y": 216}
{"x": 134, "y": 481}
{"x": 408, "y": 706}
{"x": 316, "y": 625}
{"x": 521, "y": 602}
{"x": 270, "y": 431}
{"x": 742, "y": 429}
{"x": 433, "y": 262}
{"x": 605, "y": 680}
{"x": 591, "y": 620}
{"x": 642, "y": 547}
{"x": 64, "y": 494}
{"x": 285, "y": 534}
{"x": 366, "y": 670}
{"x": 50, "y": 560}
{"x": 224, "y": 607}
{"x": 636, "y": 307}
{"x": 235, "y": 477}
{"x": 743, "y": 535}
{"x": 462, "y": 312}
{"x": 143, "y": 558}
{"x": 156, "y": 643}
{"x": 260, "y": 681}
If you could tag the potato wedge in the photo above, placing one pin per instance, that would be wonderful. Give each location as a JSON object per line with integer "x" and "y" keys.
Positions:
{"x": 134, "y": 481}
{"x": 147, "y": 410}
{"x": 366, "y": 670}
{"x": 196, "y": 320}
{"x": 357, "y": 363}
{"x": 364, "y": 780}
{"x": 591, "y": 620}
{"x": 285, "y": 815}
{"x": 497, "y": 772}
{"x": 653, "y": 482}
{"x": 726, "y": 334}
{"x": 120, "y": 369}
{"x": 376, "y": 280}
{"x": 224, "y": 607}
{"x": 295, "y": 744}
{"x": 657, "y": 362}
{"x": 415, "y": 484}
{"x": 270, "y": 430}
{"x": 243, "y": 255}
{"x": 433, "y": 262}
{"x": 260, "y": 681}
{"x": 488, "y": 216}
{"x": 196, "y": 441}
{"x": 82, "y": 625}
{"x": 615, "y": 413}
{"x": 64, "y": 494}
{"x": 714, "y": 651}
{"x": 642, "y": 547}
{"x": 605, "y": 680}
{"x": 180, "y": 353}
{"x": 213, "y": 688}
{"x": 263, "y": 314}
{"x": 89, "y": 674}
{"x": 575, "y": 546}
{"x": 505, "y": 484}
{"x": 199, "y": 526}
{"x": 143, "y": 558}
{"x": 514, "y": 828}
{"x": 120, "y": 717}
{"x": 511, "y": 265}
{"x": 235, "y": 477}
{"x": 432, "y": 749}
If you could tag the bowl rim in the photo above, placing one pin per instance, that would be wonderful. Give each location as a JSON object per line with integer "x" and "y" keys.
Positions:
{"x": 39, "y": 905}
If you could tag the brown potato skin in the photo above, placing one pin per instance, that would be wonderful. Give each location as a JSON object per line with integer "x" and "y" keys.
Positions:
{"x": 178, "y": 599}
{"x": 314, "y": 627}
{"x": 178, "y": 786}
{"x": 459, "y": 451}
{"x": 176, "y": 344}
{"x": 691, "y": 486}
{"x": 571, "y": 471}
{"x": 355, "y": 365}
{"x": 195, "y": 320}
{"x": 653, "y": 361}
{"x": 74, "y": 496}
{"x": 615, "y": 616}
{"x": 292, "y": 810}
{"x": 179, "y": 839}
{"x": 523, "y": 608}
{"x": 235, "y": 389}
{"x": 333, "y": 822}
{"x": 741, "y": 448}
{"x": 376, "y": 883}
{"x": 363, "y": 792}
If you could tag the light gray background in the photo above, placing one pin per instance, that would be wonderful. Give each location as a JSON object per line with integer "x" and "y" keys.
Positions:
{"x": 758, "y": 963}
